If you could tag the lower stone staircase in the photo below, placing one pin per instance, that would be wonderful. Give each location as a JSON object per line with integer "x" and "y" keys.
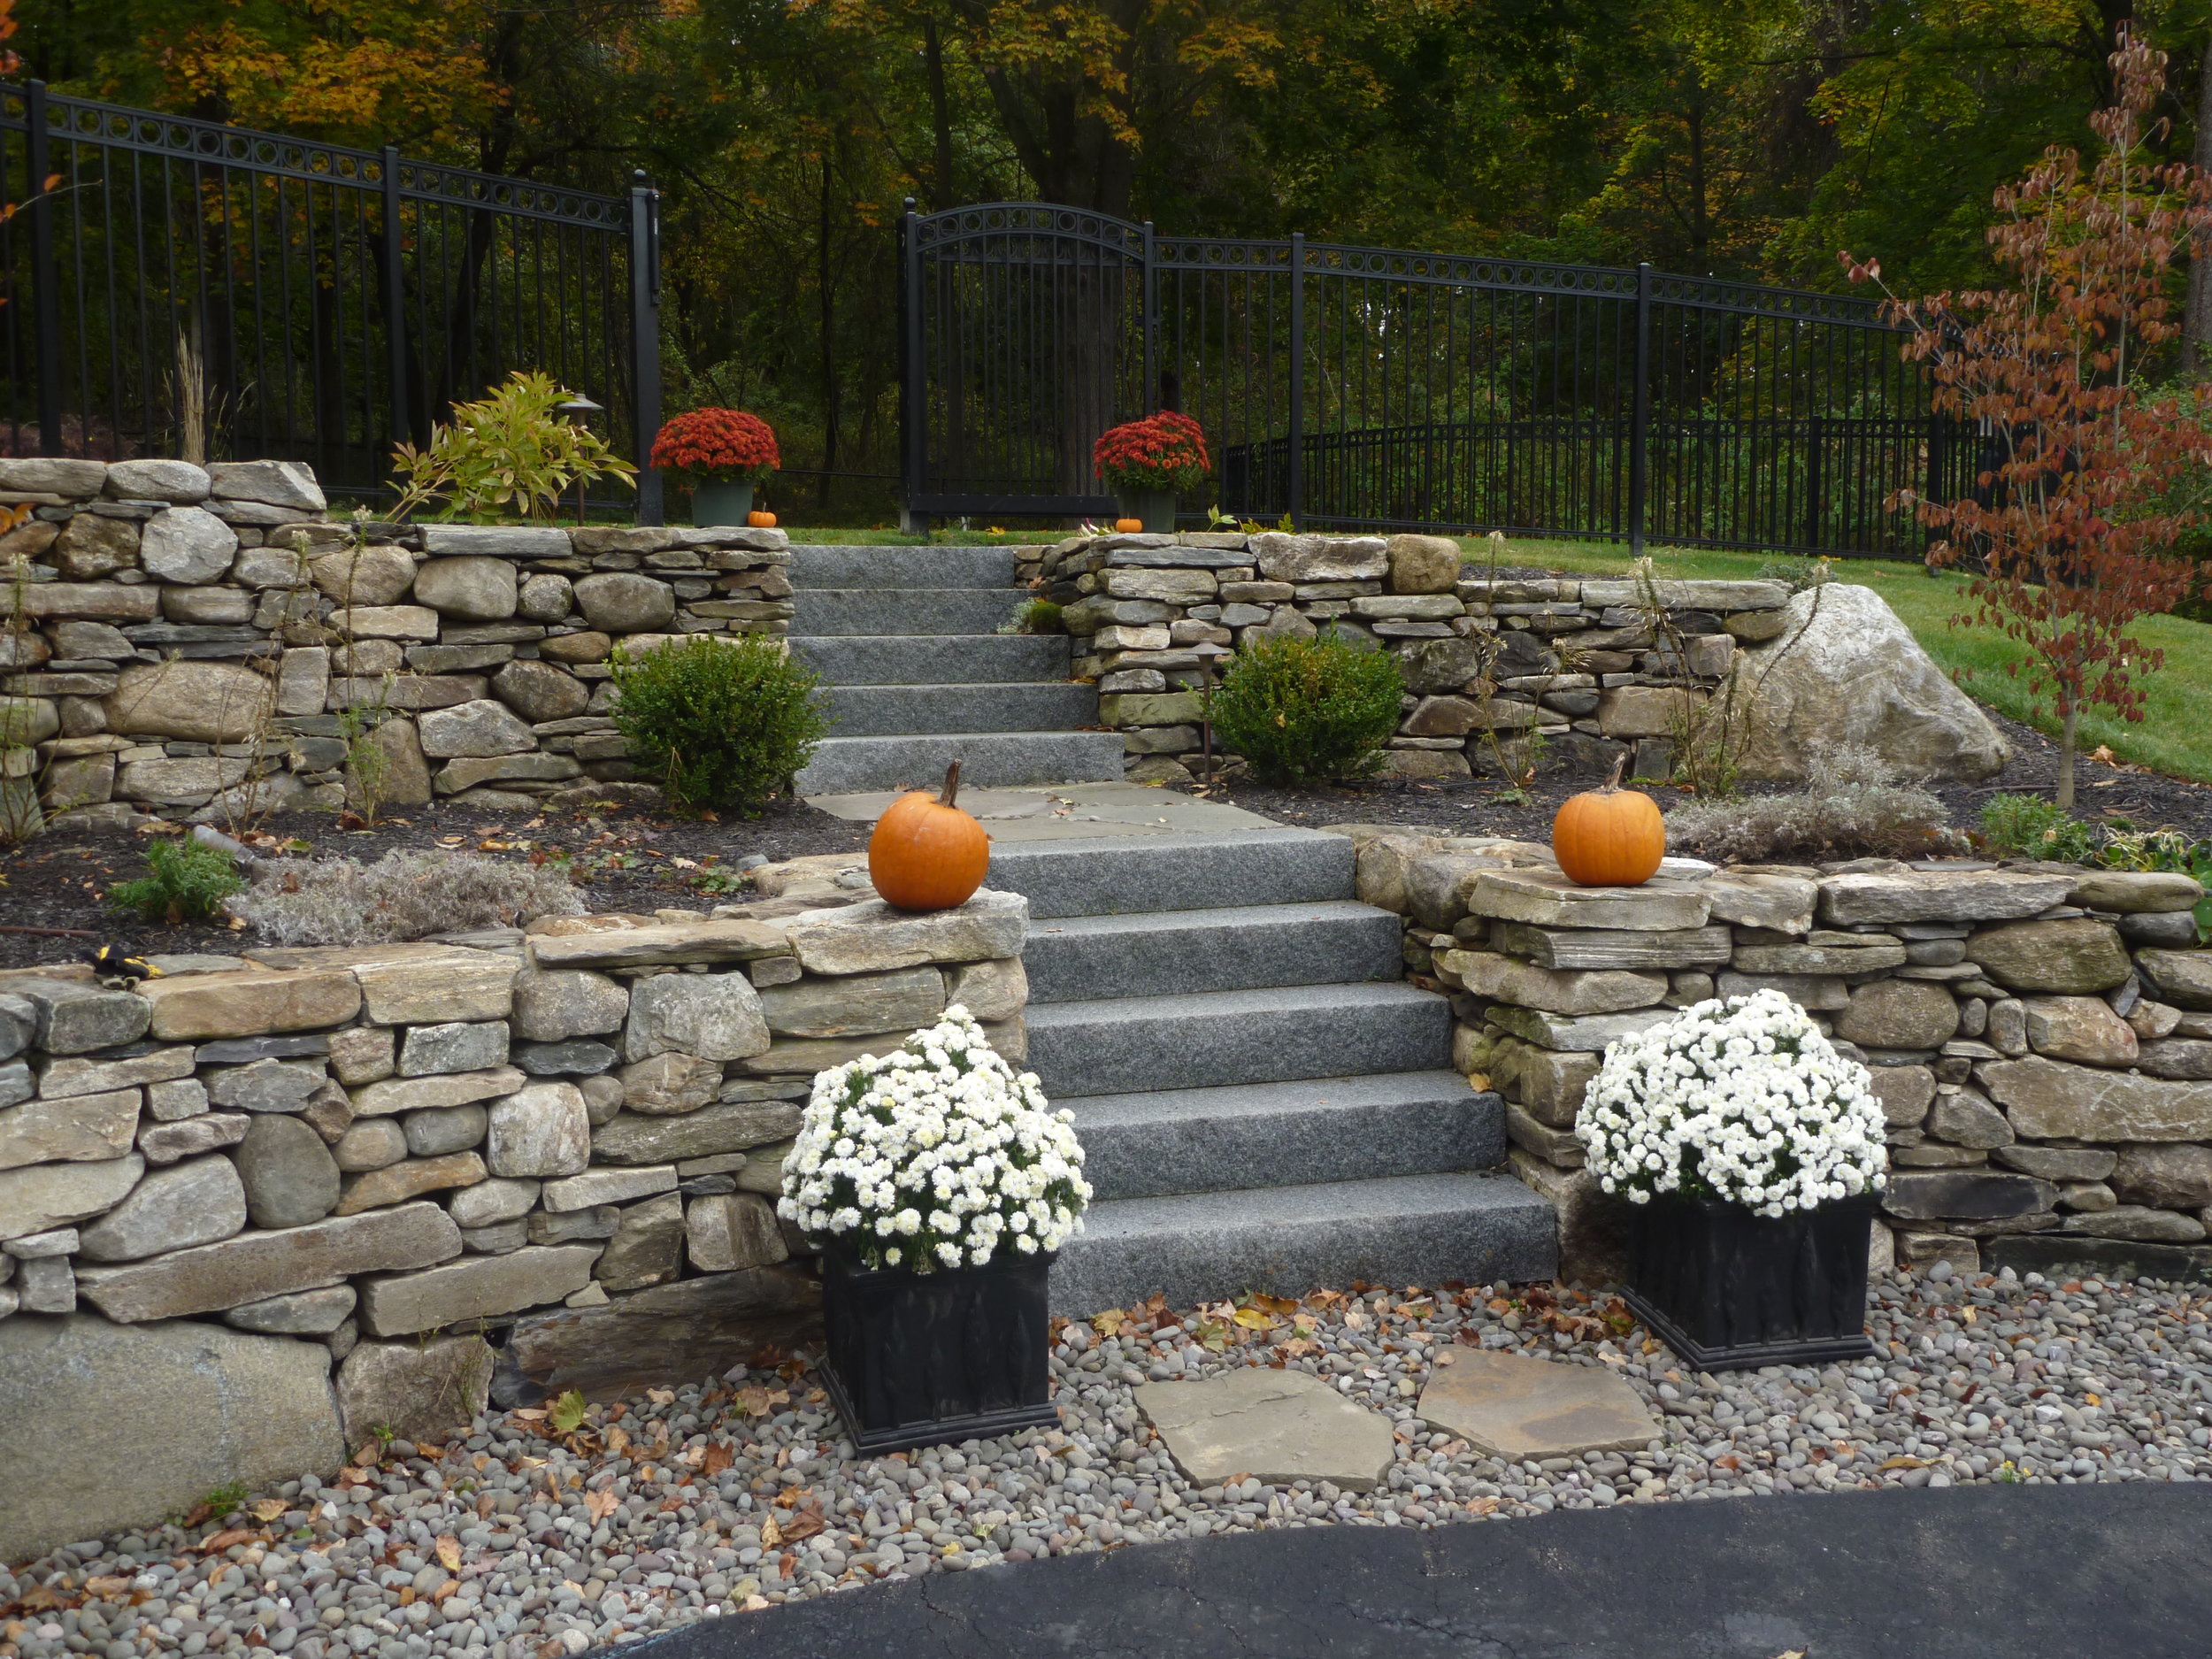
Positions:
{"x": 1264, "y": 1104}
{"x": 917, "y": 675}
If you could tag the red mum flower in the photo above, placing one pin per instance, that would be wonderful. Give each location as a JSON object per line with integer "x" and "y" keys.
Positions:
{"x": 1162, "y": 451}
{"x": 722, "y": 446}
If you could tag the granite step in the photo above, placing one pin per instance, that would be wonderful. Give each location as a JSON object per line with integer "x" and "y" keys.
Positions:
{"x": 988, "y": 760}
{"x": 1287, "y": 1240}
{"x": 833, "y": 610}
{"x": 1123, "y": 1045}
{"x": 933, "y": 659}
{"x": 1241, "y": 948}
{"x": 900, "y": 711}
{"x": 1282, "y": 1134}
{"x": 827, "y": 565}
{"x": 1136, "y": 874}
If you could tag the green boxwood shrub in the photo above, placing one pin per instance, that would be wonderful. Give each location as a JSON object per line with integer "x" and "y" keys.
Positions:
{"x": 717, "y": 721}
{"x": 1309, "y": 711}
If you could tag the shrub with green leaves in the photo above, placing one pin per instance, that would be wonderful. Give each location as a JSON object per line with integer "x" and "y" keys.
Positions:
{"x": 719, "y": 721}
{"x": 507, "y": 454}
{"x": 1309, "y": 711}
{"x": 2029, "y": 826}
{"x": 186, "y": 881}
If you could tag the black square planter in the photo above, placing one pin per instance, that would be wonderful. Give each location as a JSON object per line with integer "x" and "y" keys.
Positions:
{"x": 1729, "y": 1290}
{"x": 930, "y": 1359}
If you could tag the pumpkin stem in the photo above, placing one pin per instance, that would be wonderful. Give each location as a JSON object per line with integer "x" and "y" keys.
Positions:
{"x": 1620, "y": 763}
{"x": 952, "y": 783}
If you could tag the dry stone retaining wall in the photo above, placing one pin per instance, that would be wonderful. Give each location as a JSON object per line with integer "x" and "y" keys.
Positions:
{"x": 2040, "y": 1035}
{"x": 195, "y": 641}
{"x": 1584, "y": 664}
{"x": 568, "y": 1141}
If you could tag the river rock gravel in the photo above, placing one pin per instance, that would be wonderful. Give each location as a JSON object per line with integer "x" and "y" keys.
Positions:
{"x": 520, "y": 1541}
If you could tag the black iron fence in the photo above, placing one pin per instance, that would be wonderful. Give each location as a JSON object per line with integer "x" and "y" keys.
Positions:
{"x": 1360, "y": 388}
{"x": 175, "y": 286}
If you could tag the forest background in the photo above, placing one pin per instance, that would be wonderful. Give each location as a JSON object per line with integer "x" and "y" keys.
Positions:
{"x": 1739, "y": 138}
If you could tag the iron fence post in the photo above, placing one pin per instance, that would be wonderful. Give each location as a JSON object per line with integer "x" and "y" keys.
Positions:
{"x": 1640, "y": 413}
{"x": 1151, "y": 398}
{"x": 910, "y": 389}
{"x": 45, "y": 275}
{"x": 1296, "y": 469}
{"x": 645, "y": 338}
{"x": 1813, "y": 459}
{"x": 400, "y": 427}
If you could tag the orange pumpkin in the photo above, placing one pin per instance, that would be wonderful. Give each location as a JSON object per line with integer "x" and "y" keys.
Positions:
{"x": 926, "y": 854}
{"x": 760, "y": 519}
{"x": 1610, "y": 837}
{"x": 1129, "y": 526}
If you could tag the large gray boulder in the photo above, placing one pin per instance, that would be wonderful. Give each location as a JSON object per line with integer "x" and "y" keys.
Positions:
{"x": 1844, "y": 669}
{"x": 111, "y": 1426}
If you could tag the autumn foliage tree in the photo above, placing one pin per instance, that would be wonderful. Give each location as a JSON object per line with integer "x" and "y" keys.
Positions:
{"x": 2068, "y": 531}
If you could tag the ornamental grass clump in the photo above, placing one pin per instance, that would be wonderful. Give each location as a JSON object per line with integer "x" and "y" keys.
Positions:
{"x": 1742, "y": 1101}
{"x": 934, "y": 1155}
{"x": 1162, "y": 452}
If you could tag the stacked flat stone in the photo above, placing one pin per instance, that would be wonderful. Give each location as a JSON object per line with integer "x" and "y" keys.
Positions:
{"x": 182, "y": 640}
{"x": 2039, "y": 1035}
{"x": 359, "y": 1149}
{"x": 1139, "y": 604}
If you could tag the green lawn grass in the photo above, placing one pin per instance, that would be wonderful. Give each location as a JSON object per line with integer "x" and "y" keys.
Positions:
{"x": 2175, "y": 735}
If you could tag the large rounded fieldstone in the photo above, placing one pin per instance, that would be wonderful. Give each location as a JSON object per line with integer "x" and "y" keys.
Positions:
{"x": 1423, "y": 564}
{"x": 157, "y": 481}
{"x": 194, "y": 1202}
{"x": 2075, "y": 957}
{"x": 545, "y": 597}
{"x": 369, "y": 576}
{"x": 186, "y": 545}
{"x": 1844, "y": 669}
{"x": 468, "y": 589}
{"x": 1899, "y": 1014}
{"x": 620, "y": 601}
{"x": 199, "y": 701}
{"x": 290, "y": 1176}
{"x": 91, "y": 546}
{"x": 716, "y": 1016}
{"x": 371, "y": 1143}
{"x": 563, "y": 1003}
{"x": 539, "y": 692}
{"x": 110, "y": 1427}
{"x": 1270, "y": 1425}
{"x": 443, "y": 1129}
{"x": 478, "y": 728}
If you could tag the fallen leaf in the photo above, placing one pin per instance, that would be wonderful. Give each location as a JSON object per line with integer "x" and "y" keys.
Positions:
{"x": 224, "y": 1540}
{"x": 718, "y": 1457}
{"x": 567, "y": 1413}
{"x": 106, "y": 1585}
{"x": 444, "y": 1590}
{"x": 1253, "y": 1318}
{"x": 266, "y": 1508}
{"x": 756, "y": 1399}
{"x": 449, "y": 1552}
{"x": 1906, "y": 1462}
{"x": 805, "y": 1523}
{"x": 618, "y": 1442}
{"x": 770, "y": 1535}
{"x": 601, "y": 1504}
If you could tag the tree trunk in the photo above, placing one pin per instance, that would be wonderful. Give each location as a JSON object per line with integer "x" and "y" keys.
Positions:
{"x": 940, "y": 111}
{"x": 2196, "y": 320}
{"x": 2069, "y": 717}
{"x": 829, "y": 342}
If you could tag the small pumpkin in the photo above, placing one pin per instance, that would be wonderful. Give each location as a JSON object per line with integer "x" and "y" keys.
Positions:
{"x": 1610, "y": 837}
{"x": 761, "y": 518}
{"x": 926, "y": 854}
{"x": 1129, "y": 526}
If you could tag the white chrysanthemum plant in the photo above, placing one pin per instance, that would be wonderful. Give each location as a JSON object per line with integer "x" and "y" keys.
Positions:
{"x": 1743, "y": 1101}
{"x": 937, "y": 1155}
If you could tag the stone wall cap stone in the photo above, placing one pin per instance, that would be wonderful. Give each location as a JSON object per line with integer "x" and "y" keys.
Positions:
{"x": 1985, "y": 895}
{"x": 1551, "y": 898}
{"x": 873, "y": 936}
{"x": 667, "y": 944}
{"x": 257, "y": 1002}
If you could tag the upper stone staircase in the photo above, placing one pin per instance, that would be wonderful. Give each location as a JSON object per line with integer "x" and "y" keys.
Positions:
{"x": 917, "y": 675}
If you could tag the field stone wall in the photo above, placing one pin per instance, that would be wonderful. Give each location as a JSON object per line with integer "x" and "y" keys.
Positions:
{"x": 2040, "y": 1035}
{"x": 189, "y": 641}
{"x": 1582, "y": 671}
{"x": 367, "y": 1187}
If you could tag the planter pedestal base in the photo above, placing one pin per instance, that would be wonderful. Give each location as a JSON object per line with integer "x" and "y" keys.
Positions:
{"x": 932, "y": 1359}
{"x": 1729, "y": 1290}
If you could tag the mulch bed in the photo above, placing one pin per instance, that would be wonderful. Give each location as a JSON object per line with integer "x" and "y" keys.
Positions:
{"x": 634, "y": 861}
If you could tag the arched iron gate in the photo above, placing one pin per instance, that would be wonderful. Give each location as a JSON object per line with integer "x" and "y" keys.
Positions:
{"x": 1363, "y": 388}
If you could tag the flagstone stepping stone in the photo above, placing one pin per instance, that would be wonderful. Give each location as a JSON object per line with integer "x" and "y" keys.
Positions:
{"x": 1529, "y": 1409}
{"x": 1268, "y": 1426}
